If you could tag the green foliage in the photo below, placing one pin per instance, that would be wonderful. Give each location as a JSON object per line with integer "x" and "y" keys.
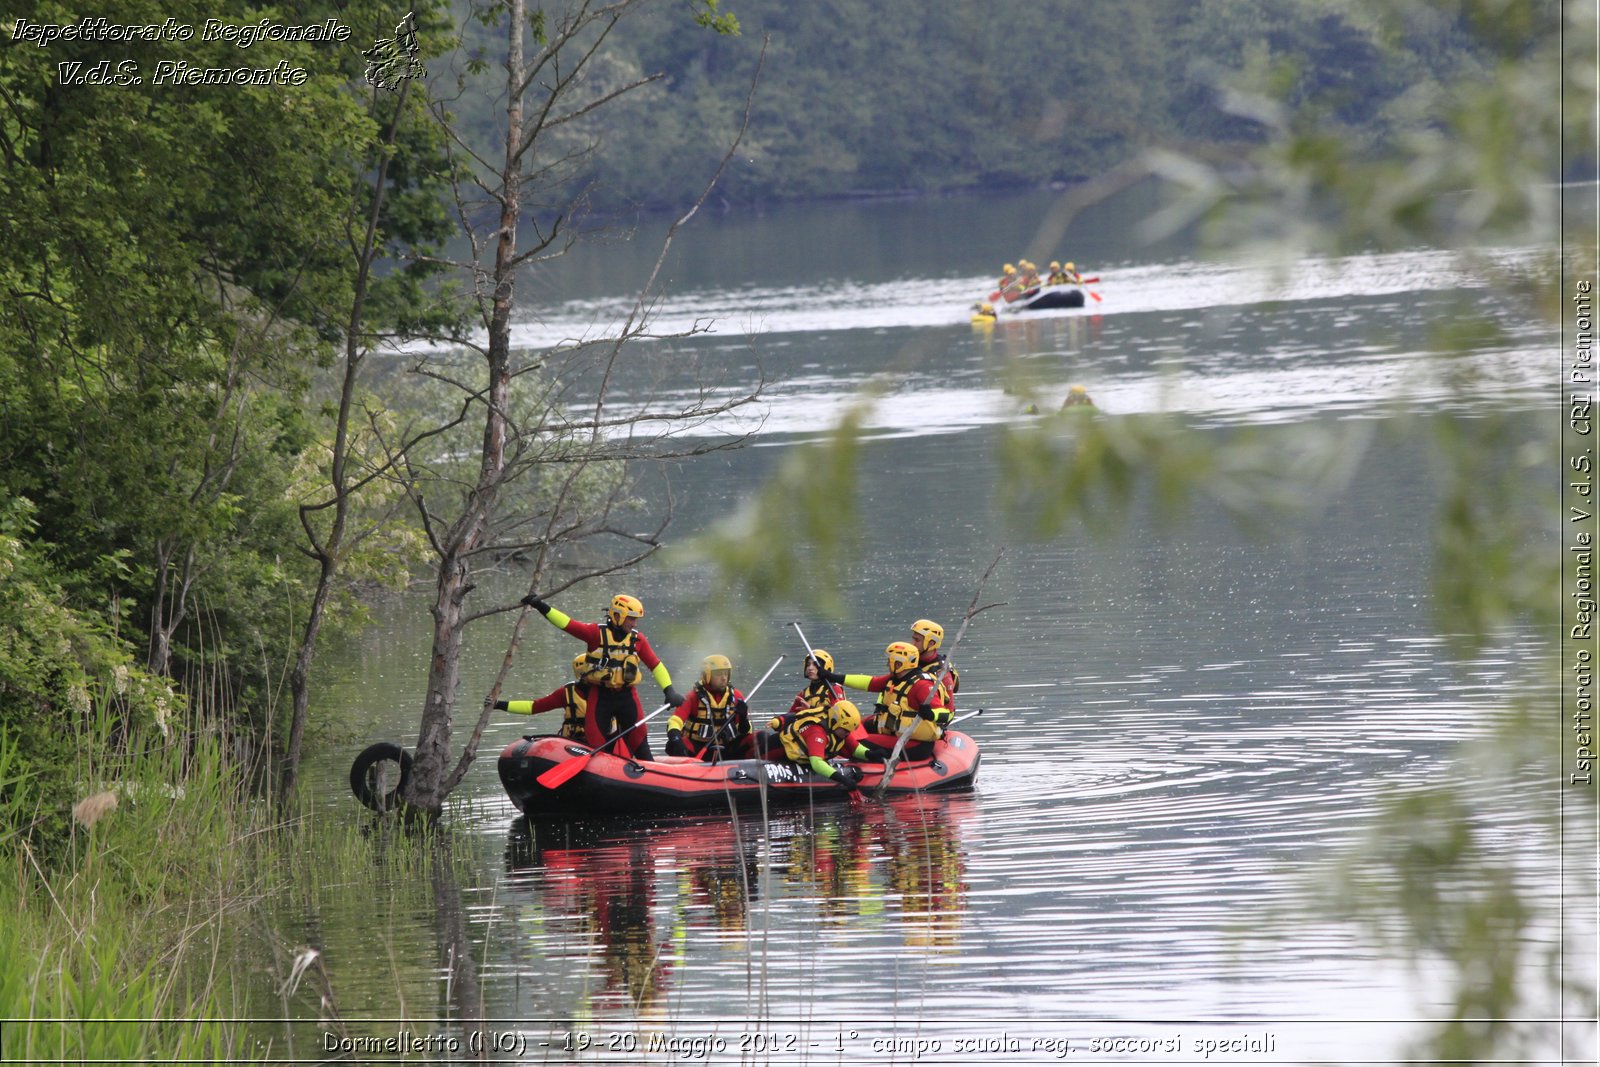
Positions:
{"x": 707, "y": 17}
{"x": 1079, "y": 465}
{"x": 60, "y": 671}
{"x": 174, "y": 266}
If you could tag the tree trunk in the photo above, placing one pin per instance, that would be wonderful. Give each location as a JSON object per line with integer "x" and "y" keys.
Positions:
{"x": 299, "y": 678}
{"x": 430, "y": 767}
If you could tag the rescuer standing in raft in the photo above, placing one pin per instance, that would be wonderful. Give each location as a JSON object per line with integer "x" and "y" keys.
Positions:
{"x": 617, "y": 655}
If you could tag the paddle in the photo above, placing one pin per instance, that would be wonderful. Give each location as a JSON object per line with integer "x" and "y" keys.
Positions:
{"x": 717, "y": 743}
{"x": 809, "y": 651}
{"x": 568, "y": 769}
{"x": 964, "y": 718}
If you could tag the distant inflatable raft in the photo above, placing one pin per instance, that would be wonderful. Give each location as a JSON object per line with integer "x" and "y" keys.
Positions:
{"x": 1045, "y": 298}
{"x": 616, "y": 785}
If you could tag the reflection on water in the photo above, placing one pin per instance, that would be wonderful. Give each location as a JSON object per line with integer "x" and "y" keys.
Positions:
{"x": 627, "y": 907}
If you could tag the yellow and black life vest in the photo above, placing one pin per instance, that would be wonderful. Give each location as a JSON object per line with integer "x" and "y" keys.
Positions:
{"x": 819, "y": 694}
{"x": 576, "y": 702}
{"x": 949, "y": 678}
{"x": 614, "y": 663}
{"x": 894, "y": 706}
{"x": 710, "y": 717}
{"x": 794, "y": 745}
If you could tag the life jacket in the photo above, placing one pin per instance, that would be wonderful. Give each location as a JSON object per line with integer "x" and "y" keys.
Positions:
{"x": 614, "y": 663}
{"x": 576, "y": 703}
{"x": 818, "y": 694}
{"x": 894, "y": 708}
{"x": 710, "y": 717}
{"x": 794, "y": 745}
{"x": 949, "y": 678}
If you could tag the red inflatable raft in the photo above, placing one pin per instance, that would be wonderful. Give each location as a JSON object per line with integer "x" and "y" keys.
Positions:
{"x": 615, "y": 785}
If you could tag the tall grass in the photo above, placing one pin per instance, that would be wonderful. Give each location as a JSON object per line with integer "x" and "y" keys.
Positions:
{"x": 107, "y": 950}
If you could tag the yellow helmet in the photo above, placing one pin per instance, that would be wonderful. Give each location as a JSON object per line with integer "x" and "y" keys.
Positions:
{"x": 1071, "y": 267}
{"x": 844, "y": 715}
{"x": 580, "y": 665}
{"x": 1027, "y": 264}
{"x": 986, "y": 307}
{"x": 712, "y": 665}
{"x": 932, "y": 633}
{"x": 624, "y": 606}
{"x": 903, "y": 655}
{"x": 822, "y": 659}
{"x": 1008, "y": 269}
{"x": 1055, "y": 264}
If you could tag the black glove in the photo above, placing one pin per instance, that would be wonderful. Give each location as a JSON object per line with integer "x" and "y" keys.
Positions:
{"x": 672, "y": 696}
{"x": 500, "y": 705}
{"x": 848, "y": 779}
{"x": 877, "y": 753}
{"x": 830, "y": 676}
{"x": 925, "y": 712}
{"x": 741, "y": 709}
{"x": 533, "y": 601}
{"x": 675, "y": 745}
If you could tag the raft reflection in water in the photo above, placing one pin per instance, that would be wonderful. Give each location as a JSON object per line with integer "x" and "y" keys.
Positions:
{"x": 620, "y": 913}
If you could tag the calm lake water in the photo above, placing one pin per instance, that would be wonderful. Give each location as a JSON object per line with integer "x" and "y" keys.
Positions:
{"x": 1185, "y": 721}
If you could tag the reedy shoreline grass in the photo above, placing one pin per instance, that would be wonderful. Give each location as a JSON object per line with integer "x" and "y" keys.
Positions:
{"x": 156, "y": 931}
{"x": 110, "y": 948}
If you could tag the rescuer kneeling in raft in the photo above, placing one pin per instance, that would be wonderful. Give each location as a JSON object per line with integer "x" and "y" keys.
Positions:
{"x": 572, "y": 697}
{"x": 816, "y": 735}
{"x": 617, "y": 656}
{"x": 906, "y": 694}
{"x": 714, "y": 722}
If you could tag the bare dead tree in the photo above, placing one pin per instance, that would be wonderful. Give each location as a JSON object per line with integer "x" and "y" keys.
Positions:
{"x": 538, "y": 478}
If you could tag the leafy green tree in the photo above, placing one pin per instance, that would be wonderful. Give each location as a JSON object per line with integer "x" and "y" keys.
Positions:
{"x": 352, "y": 484}
{"x": 173, "y": 262}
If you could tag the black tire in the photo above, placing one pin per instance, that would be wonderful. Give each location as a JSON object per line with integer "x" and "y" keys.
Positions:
{"x": 361, "y": 783}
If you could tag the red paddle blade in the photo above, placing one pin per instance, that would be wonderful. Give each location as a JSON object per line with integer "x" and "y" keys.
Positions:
{"x": 1097, "y": 297}
{"x": 564, "y": 771}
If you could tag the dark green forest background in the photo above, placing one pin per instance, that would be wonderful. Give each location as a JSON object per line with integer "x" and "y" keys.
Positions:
{"x": 883, "y": 97}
